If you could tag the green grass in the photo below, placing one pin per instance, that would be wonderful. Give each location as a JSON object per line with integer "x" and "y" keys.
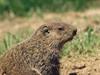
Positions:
{"x": 12, "y": 39}
{"x": 23, "y": 7}
{"x": 85, "y": 43}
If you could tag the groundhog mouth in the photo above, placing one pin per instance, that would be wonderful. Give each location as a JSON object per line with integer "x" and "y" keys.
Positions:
{"x": 59, "y": 45}
{"x": 67, "y": 39}
{"x": 71, "y": 36}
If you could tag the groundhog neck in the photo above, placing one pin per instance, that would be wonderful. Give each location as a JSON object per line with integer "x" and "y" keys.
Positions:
{"x": 46, "y": 57}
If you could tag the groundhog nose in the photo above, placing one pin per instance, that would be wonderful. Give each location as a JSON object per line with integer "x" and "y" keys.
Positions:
{"x": 74, "y": 32}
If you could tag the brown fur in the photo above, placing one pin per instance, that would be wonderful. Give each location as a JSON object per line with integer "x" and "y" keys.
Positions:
{"x": 38, "y": 55}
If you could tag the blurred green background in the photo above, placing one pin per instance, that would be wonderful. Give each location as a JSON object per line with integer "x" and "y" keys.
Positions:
{"x": 24, "y": 7}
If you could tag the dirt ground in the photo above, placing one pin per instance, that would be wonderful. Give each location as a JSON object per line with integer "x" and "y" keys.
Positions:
{"x": 80, "y": 66}
{"x": 69, "y": 66}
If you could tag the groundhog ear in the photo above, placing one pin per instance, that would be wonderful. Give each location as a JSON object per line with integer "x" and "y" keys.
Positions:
{"x": 45, "y": 30}
{"x": 42, "y": 30}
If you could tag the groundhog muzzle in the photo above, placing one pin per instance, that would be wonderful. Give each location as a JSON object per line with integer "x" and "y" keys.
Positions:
{"x": 38, "y": 55}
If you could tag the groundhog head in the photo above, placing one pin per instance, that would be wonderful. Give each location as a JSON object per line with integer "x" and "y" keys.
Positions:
{"x": 56, "y": 34}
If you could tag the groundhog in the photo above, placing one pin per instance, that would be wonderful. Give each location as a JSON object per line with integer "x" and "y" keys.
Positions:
{"x": 39, "y": 54}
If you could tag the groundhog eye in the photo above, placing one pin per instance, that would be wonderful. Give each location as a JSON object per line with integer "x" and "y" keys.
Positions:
{"x": 61, "y": 29}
